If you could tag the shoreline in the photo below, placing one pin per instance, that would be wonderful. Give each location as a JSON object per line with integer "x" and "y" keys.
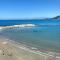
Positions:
{"x": 32, "y": 50}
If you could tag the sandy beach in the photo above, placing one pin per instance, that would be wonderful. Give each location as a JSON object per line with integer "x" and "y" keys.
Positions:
{"x": 29, "y": 29}
{"x": 11, "y": 51}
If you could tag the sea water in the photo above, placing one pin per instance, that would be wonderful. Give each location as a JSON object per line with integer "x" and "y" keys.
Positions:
{"x": 45, "y": 36}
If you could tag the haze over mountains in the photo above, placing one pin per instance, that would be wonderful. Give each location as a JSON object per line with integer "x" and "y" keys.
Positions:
{"x": 38, "y": 18}
{"x": 57, "y": 17}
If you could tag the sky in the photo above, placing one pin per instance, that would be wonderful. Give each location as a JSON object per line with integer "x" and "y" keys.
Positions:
{"x": 16, "y": 9}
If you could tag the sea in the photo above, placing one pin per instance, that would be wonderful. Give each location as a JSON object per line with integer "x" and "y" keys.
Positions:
{"x": 45, "y": 36}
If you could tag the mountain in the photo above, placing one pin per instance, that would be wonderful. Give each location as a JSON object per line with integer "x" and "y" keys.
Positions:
{"x": 57, "y": 17}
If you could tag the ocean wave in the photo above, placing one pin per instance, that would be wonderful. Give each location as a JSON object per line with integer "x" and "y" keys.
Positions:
{"x": 18, "y": 26}
{"x": 25, "y": 25}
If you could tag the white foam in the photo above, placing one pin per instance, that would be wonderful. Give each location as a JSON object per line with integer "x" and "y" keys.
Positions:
{"x": 19, "y": 26}
{"x": 25, "y": 25}
{"x": 0, "y": 28}
{"x": 4, "y": 43}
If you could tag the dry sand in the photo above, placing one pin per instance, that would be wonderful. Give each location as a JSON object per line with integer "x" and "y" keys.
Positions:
{"x": 9, "y": 51}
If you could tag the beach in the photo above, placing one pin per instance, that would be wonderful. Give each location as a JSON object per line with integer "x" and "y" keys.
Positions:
{"x": 30, "y": 42}
{"x": 12, "y": 51}
{"x": 29, "y": 29}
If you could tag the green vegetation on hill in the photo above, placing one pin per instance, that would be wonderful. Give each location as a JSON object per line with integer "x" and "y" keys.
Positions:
{"x": 57, "y": 17}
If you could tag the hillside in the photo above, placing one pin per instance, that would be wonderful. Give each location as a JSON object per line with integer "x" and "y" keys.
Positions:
{"x": 57, "y": 17}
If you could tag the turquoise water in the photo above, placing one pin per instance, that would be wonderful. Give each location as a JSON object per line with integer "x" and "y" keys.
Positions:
{"x": 46, "y": 36}
{"x": 36, "y": 21}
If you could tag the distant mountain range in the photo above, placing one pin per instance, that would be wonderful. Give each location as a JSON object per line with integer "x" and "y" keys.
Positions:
{"x": 56, "y": 18}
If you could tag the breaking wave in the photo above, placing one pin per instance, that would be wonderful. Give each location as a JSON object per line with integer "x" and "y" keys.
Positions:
{"x": 18, "y": 26}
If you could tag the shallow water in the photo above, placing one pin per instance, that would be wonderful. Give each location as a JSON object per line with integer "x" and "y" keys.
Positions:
{"x": 46, "y": 37}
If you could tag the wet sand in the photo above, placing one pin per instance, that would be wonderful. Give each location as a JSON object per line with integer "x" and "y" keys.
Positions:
{"x": 11, "y": 51}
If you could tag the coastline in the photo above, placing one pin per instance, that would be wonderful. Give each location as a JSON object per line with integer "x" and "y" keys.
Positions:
{"x": 31, "y": 51}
